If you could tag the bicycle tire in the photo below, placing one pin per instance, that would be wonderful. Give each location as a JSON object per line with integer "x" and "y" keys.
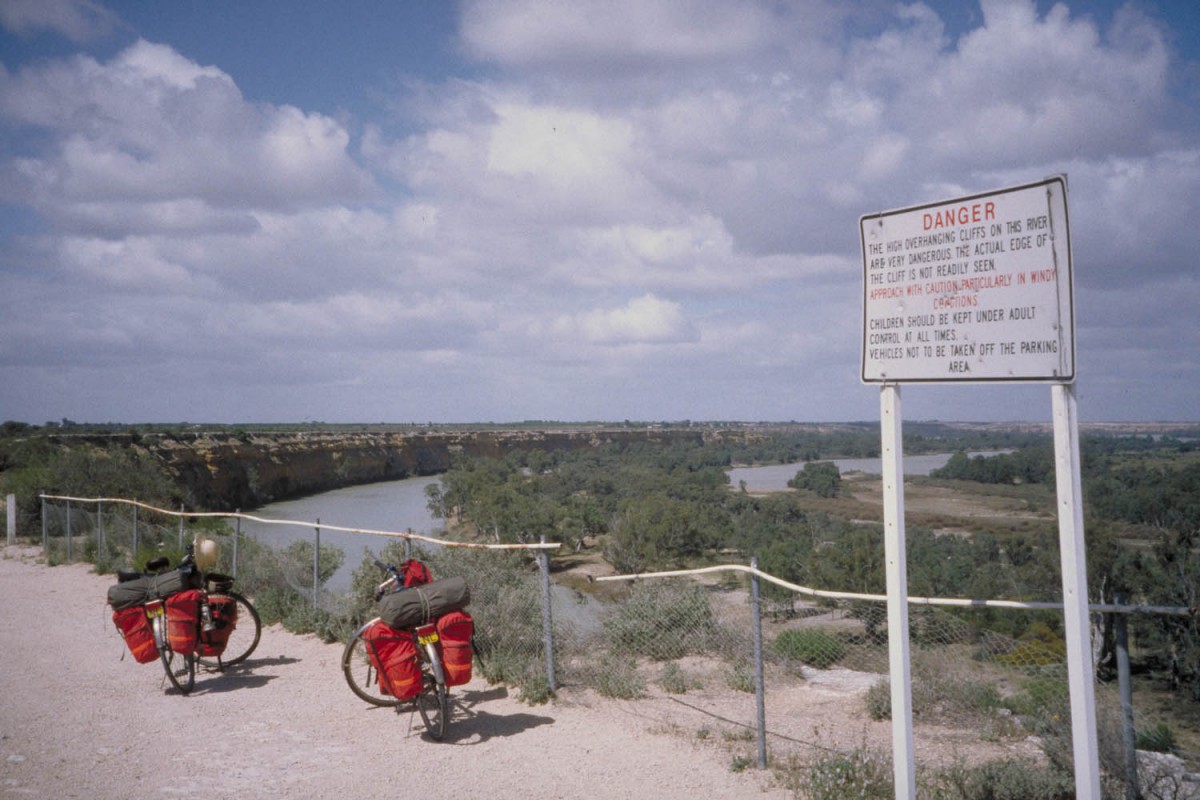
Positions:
{"x": 179, "y": 667}
{"x": 434, "y": 705}
{"x": 244, "y": 638}
{"x": 361, "y": 676}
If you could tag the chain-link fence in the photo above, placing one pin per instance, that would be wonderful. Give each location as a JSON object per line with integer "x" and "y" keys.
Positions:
{"x": 797, "y": 680}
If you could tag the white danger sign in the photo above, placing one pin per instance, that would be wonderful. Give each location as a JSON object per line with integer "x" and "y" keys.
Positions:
{"x": 972, "y": 289}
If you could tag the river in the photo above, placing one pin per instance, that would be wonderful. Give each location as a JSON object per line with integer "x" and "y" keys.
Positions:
{"x": 400, "y": 506}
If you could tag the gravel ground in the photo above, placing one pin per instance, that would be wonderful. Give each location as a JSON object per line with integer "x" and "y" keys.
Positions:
{"x": 80, "y": 718}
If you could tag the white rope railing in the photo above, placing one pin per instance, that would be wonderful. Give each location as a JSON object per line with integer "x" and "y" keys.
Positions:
{"x": 925, "y": 601}
{"x": 321, "y": 525}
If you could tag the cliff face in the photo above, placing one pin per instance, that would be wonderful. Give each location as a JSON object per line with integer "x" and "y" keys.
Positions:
{"x": 231, "y": 472}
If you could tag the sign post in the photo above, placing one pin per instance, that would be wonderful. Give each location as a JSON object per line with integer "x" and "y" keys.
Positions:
{"x": 978, "y": 289}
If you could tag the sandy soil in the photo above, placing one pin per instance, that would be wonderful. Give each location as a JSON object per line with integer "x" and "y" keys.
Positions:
{"x": 80, "y": 718}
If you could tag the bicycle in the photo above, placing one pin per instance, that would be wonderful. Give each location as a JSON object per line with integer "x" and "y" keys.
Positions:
{"x": 363, "y": 656}
{"x": 220, "y": 610}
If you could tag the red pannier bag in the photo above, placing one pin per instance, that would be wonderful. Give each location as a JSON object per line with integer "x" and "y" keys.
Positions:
{"x": 139, "y": 636}
{"x": 183, "y": 621}
{"x": 224, "y": 617}
{"x": 454, "y": 632}
{"x": 393, "y": 653}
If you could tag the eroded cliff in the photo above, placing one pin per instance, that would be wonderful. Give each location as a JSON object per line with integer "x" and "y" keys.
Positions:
{"x": 226, "y": 472}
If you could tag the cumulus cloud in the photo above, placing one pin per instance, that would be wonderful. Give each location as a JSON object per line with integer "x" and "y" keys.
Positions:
{"x": 628, "y": 194}
{"x": 77, "y": 20}
{"x": 643, "y": 320}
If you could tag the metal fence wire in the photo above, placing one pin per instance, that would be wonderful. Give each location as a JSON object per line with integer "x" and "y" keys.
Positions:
{"x": 797, "y": 681}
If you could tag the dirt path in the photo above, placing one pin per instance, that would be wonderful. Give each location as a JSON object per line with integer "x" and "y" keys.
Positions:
{"x": 78, "y": 720}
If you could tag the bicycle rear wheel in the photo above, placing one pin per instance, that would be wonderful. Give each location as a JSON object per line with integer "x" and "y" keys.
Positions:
{"x": 180, "y": 667}
{"x": 244, "y": 639}
{"x": 361, "y": 675}
{"x": 434, "y": 704}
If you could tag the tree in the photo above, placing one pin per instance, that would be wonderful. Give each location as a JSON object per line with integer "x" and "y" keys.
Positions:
{"x": 820, "y": 477}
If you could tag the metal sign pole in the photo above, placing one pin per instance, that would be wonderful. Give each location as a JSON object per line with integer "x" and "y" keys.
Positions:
{"x": 891, "y": 423}
{"x": 1075, "y": 601}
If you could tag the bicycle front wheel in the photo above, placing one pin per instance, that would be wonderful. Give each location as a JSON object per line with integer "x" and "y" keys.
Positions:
{"x": 361, "y": 675}
{"x": 180, "y": 667}
{"x": 434, "y": 704}
{"x": 244, "y": 639}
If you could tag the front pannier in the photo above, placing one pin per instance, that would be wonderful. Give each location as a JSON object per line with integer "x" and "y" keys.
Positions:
{"x": 139, "y": 636}
{"x": 393, "y": 654}
{"x": 454, "y": 632}
{"x": 183, "y": 621}
{"x": 419, "y": 605}
{"x": 224, "y": 619}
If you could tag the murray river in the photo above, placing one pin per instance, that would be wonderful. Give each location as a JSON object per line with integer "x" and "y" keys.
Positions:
{"x": 400, "y": 507}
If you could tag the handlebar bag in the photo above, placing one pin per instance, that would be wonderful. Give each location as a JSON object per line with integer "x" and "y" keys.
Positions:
{"x": 224, "y": 617}
{"x": 183, "y": 621}
{"x": 454, "y": 632}
{"x": 139, "y": 636}
{"x": 419, "y": 605}
{"x": 393, "y": 653}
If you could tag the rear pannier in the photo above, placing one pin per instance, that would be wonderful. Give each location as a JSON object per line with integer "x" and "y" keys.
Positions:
{"x": 394, "y": 655}
{"x": 183, "y": 621}
{"x": 455, "y": 631}
{"x": 139, "y": 636}
{"x": 419, "y": 605}
{"x": 224, "y": 620}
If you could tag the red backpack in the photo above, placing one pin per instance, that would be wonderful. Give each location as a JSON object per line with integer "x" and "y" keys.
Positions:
{"x": 393, "y": 653}
{"x": 415, "y": 573}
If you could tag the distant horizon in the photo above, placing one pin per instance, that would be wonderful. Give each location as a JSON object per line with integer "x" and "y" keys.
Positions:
{"x": 535, "y": 423}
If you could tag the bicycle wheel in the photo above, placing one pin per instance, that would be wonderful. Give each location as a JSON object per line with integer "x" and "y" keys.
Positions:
{"x": 434, "y": 704}
{"x": 180, "y": 667}
{"x": 244, "y": 638}
{"x": 361, "y": 675}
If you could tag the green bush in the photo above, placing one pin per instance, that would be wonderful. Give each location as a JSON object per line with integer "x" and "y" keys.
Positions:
{"x": 812, "y": 647}
{"x": 1158, "y": 739}
{"x": 662, "y": 621}
{"x": 617, "y": 677}
{"x": 1001, "y": 780}
{"x": 855, "y": 775}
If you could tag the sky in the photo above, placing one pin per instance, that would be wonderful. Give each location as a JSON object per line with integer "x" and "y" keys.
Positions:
{"x": 298, "y": 211}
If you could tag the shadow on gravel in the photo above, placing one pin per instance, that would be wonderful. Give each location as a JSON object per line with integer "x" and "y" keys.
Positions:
{"x": 480, "y": 726}
{"x": 239, "y": 676}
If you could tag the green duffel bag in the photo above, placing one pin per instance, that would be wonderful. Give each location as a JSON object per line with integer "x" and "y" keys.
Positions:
{"x": 418, "y": 605}
{"x": 136, "y": 591}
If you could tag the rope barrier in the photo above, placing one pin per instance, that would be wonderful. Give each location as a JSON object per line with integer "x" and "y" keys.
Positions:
{"x": 322, "y": 525}
{"x": 1108, "y": 608}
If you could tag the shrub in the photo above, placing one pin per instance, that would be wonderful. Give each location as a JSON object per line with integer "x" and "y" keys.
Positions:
{"x": 814, "y": 648}
{"x": 1002, "y": 780}
{"x": 662, "y": 621}
{"x": 855, "y": 775}
{"x": 1159, "y": 739}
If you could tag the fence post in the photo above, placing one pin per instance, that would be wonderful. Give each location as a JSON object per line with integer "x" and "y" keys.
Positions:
{"x": 408, "y": 546}
{"x": 543, "y": 561}
{"x": 137, "y": 545}
{"x": 11, "y": 505}
{"x": 760, "y": 692}
{"x": 1125, "y": 684}
{"x": 316, "y": 563}
{"x": 68, "y": 531}
{"x": 181, "y": 526}
{"x": 237, "y": 534}
{"x": 99, "y": 530}
{"x": 45, "y": 535}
